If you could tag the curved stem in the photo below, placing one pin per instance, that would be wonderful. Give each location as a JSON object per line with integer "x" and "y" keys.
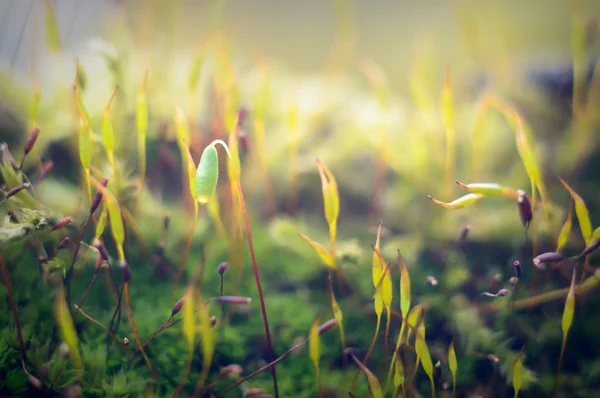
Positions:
{"x": 254, "y": 268}
{"x": 111, "y": 334}
{"x": 385, "y": 341}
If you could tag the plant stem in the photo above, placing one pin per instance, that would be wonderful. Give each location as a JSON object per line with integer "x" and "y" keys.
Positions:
{"x": 111, "y": 334}
{"x": 135, "y": 333}
{"x": 267, "y": 366}
{"x": 560, "y": 360}
{"x": 256, "y": 275}
{"x": 368, "y": 352}
{"x": 590, "y": 283}
{"x": 13, "y": 308}
{"x": 87, "y": 290}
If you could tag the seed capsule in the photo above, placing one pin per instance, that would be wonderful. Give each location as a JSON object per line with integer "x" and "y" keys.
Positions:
{"x": 549, "y": 257}
{"x": 98, "y": 196}
{"x": 221, "y": 268}
{"x": 524, "y": 208}
{"x": 233, "y": 300}
{"x": 589, "y": 249}
{"x": 33, "y": 136}
{"x": 327, "y": 325}
{"x": 518, "y": 269}
{"x": 63, "y": 222}
{"x": 207, "y": 174}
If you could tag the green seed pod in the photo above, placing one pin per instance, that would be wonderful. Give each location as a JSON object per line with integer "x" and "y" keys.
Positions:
{"x": 207, "y": 174}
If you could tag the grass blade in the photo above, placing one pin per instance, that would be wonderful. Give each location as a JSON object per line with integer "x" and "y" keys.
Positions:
{"x": 567, "y": 321}
{"x": 517, "y": 374}
{"x": 141, "y": 119}
{"x": 459, "y": 203}
{"x": 583, "y": 216}
{"x": 565, "y": 231}
{"x": 337, "y": 312}
{"x": 453, "y": 365}
{"x": 374, "y": 387}
{"x": 489, "y": 189}
{"x": 67, "y": 330}
{"x": 423, "y": 352}
{"x": 447, "y": 107}
{"x": 52, "y": 32}
{"x": 314, "y": 349}
{"x": 207, "y": 335}
{"x": 324, "y": 255}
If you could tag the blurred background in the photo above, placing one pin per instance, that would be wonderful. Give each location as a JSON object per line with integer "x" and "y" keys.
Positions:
{"x": 398, "y": 98}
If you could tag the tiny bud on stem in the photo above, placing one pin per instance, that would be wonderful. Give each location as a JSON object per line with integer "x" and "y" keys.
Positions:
{"x": 33, "y": 136}
{"x": 98, "y": 196}
{"x": 17, "y": 189}
{"x": 62, "y": 223}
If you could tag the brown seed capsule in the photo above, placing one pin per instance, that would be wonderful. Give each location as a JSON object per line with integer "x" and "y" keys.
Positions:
{"x": 327, "y": 325}
{"x": 233, "y": 300}
{"x": 177, "y": 307}
{"x": 589, "y": 249}
{"x": 221, "y": 268}
{"x": 98, "y": 196}
{"x": 549, "y": 257}
{"x": 33, "y": 136}
{"x": 524, "y": 207}
{"x": 502, "y": 293}
{"x": 212, "y": 320}
{"x": 233, "y": 371}
{"x": 63, "y": 222}
{"x": 17, "y": 189}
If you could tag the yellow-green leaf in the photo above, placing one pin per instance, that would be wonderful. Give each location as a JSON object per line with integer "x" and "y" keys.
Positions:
{"x": 321, "y": 251}
{"x": 196, "y": 70}
{"x": 189, "y": 324}
{"x": 85, "y": 145}
{"x": 107, "y": 129}
{"x": 52, "y": 32}
{"x": 452, "y": 363}
{"x": 114, "y": 213}
{"x": 399, "y": 372}
{"x": 101, "y": 222}
{"x": 527, "y": 155}
{"x": 461, "y": 202}
{"x": 423, "y": 353}
{"x": 581, "y": 210}
{"x": 374, "y": 387}
{"x": 386, "y": 291}
{"x": 413, "y": 318}
{"x": 517, "y": 376}
{"x": 565, "y": 231}
{"x": 314, "y": 345}
{"x": 337, "y": 312}
{"x": 404, "y": 287}
{"x": 331, "y": 197}
{"x": 191, "y": 170}
{"x": 489, "y": 189}
{"x": 67, "y": 330}
{"x": 595, "y": 234}
{"x": 207, "y": 335}
{"x": 568, "y": 312}
{"x": 181, "y": 126}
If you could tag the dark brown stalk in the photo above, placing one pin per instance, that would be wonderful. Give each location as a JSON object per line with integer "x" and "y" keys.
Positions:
{"x": 13, "y": 308}
{"x": 87, "y": 290}
{"x": 111, "y": 334}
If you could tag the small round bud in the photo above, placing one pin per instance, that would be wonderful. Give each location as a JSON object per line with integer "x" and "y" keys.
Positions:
{"x": 125, "y": 340}
{"x": 221, "y": 268}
